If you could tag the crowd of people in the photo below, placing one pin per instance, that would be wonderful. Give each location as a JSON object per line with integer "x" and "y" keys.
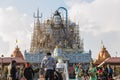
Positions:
{"x": 47, "y": 69}
{"x": 17, "y": 73}
{"x": 49, "y": 72}
{"x": 93, "y": 72}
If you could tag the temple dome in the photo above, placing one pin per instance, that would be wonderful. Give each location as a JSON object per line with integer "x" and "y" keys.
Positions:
{"x": 17, "y": 53}
{"x": 103, "y": 54}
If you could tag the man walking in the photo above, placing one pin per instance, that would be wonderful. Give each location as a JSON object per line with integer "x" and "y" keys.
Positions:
{"x": 49, "y": 64}
{"x": 13, "y": 70}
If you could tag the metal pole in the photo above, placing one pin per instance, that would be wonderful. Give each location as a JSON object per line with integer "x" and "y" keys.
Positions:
{"x": 2, "y": 67}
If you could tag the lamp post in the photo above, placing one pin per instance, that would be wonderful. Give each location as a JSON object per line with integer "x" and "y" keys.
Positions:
{"x": 2, "y": 67}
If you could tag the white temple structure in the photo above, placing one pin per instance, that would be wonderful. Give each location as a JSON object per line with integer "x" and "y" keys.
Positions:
{"x": 57, "y": 31}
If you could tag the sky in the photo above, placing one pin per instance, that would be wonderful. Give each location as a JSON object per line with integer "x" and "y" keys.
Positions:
{"x": 98, "y": 20}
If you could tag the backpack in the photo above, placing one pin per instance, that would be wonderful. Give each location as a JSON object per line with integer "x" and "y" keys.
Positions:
{"x": 28, "y": 73}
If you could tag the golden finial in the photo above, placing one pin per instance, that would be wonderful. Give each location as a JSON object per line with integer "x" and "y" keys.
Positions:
{"x": 16, "y": 42}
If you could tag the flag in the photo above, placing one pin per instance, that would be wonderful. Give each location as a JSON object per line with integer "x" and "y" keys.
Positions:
{"x": 16, "y": 41}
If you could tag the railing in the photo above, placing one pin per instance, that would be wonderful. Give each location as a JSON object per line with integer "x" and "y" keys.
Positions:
{"x": 66, "y": 72}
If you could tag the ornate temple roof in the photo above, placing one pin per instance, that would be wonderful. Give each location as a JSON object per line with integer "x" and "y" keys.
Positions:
{"x": 75, "y": 57}
{"x": 103, "y": 55}
{"x": 17, "y": 53}
{"x": 111, "y": 60}
{"x": 57, "y": 31}
{"x": 8, "y": 60}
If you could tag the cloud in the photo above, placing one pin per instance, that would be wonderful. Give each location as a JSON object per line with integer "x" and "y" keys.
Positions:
{"x": 14, "y": 25}
{"x": 110, "y": 41}
{"x": 99, "y": 15}
{"x": 3, "y": 46}
{"x": 98, "y": 20}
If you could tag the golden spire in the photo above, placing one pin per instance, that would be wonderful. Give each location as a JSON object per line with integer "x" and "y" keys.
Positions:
{"x": 16, "y": 42}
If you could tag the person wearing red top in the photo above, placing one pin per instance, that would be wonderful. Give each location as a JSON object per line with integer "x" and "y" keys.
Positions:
{"x": 100, "y": 73}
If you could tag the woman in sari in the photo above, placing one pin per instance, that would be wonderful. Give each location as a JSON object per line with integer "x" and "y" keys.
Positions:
{"x": 76, "y": 72}
{"x": 93, "y": 72}
{"x": 80, "y": 73}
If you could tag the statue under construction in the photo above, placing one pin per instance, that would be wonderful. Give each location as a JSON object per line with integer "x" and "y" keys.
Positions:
{"x": 59, "y": 36}
{"x": 55, "y": 31}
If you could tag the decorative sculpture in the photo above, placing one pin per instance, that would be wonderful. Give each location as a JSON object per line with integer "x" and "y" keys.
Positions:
{"x": 56, "y": 31}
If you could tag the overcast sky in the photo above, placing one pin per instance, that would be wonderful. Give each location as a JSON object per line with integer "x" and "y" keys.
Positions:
{"x": 98, "y": 20}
